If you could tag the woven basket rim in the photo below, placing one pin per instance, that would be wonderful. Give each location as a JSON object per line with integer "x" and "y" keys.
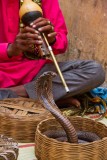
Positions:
{"x": 96, "y": 150}
{"x": 67, "y": 143}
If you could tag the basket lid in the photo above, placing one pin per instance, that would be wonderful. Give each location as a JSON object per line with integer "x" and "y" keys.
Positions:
{"x": 8, "y": 148}
{"x": 20, "y": 107}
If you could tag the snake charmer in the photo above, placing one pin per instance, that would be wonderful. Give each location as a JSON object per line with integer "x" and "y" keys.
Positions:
{"x": 19, "y": 72}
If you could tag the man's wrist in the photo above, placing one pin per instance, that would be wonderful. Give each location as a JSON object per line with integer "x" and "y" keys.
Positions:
{"x": 9, "y": 50}
{"x": 12, "y": 50}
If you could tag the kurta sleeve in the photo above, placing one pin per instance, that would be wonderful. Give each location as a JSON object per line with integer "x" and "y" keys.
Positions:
{"x": 4, "y": 55}
{"x": 52, "y": 11}
{"x": 3, "y": 51}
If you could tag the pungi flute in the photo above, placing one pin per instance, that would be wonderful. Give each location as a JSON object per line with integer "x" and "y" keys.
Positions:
{"x": 30, "y": 11}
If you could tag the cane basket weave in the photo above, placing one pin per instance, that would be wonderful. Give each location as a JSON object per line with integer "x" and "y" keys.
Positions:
{"x": 51, "y": 149}
{"x": 19, "y": 118}
{"x": 8, "y": 148}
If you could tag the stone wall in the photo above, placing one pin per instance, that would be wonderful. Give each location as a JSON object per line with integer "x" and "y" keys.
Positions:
{"x": 87, "y": 29}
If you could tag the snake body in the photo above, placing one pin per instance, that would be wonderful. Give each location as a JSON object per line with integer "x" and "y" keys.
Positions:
{"x": 83, "y": 136}
{"x": 44, "y": 93}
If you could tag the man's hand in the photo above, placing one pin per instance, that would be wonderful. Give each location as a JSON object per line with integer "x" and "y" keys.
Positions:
{"x": 43, "y": 25}
{"x": 30, "y": 36}
{"x": 24, "y": 41}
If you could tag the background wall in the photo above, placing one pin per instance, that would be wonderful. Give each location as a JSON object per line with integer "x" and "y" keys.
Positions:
{"x": 87, "y": 29}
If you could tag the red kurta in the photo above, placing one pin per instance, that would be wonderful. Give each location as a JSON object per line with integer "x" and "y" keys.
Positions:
{"x": 18, "y": 69}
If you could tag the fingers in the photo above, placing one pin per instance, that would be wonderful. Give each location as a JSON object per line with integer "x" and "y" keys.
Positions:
{"x": 40, "y": 22}
{"x": 28, "y": 29}
{"x": 43, "y": 25}
{"x": 24, "y": 46}
{"x": 53, "y": 34}
{"x": 27, "y": 39}
{"x": 27, "y": 44}
{"x": 46, "y": 29}
{"x": 28, "y": 36}
{"x": 52, "y": 28}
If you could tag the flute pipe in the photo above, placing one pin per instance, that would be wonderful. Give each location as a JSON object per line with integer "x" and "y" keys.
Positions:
{"x": 59, "y": 71}
{"x": 8, "y": 145}
{"x": 56, "y": 64}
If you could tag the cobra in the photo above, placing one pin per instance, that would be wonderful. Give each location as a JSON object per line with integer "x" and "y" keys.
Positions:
{"x": 44, "y": 93}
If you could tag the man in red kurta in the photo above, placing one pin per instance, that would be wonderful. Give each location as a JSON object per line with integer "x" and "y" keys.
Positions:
{"x": 18, "y": 72}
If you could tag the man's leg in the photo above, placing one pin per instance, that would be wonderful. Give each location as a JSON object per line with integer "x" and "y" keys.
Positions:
{"x": 80, "y": 76}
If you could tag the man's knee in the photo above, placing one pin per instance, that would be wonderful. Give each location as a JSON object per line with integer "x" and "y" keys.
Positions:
{"x": 99, "y": 71}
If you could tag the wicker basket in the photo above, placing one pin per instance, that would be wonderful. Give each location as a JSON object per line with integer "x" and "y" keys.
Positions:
{"x": 19, "y": 118}
{"x": 51, "y": 149}
{"x": 8, "y": 148}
